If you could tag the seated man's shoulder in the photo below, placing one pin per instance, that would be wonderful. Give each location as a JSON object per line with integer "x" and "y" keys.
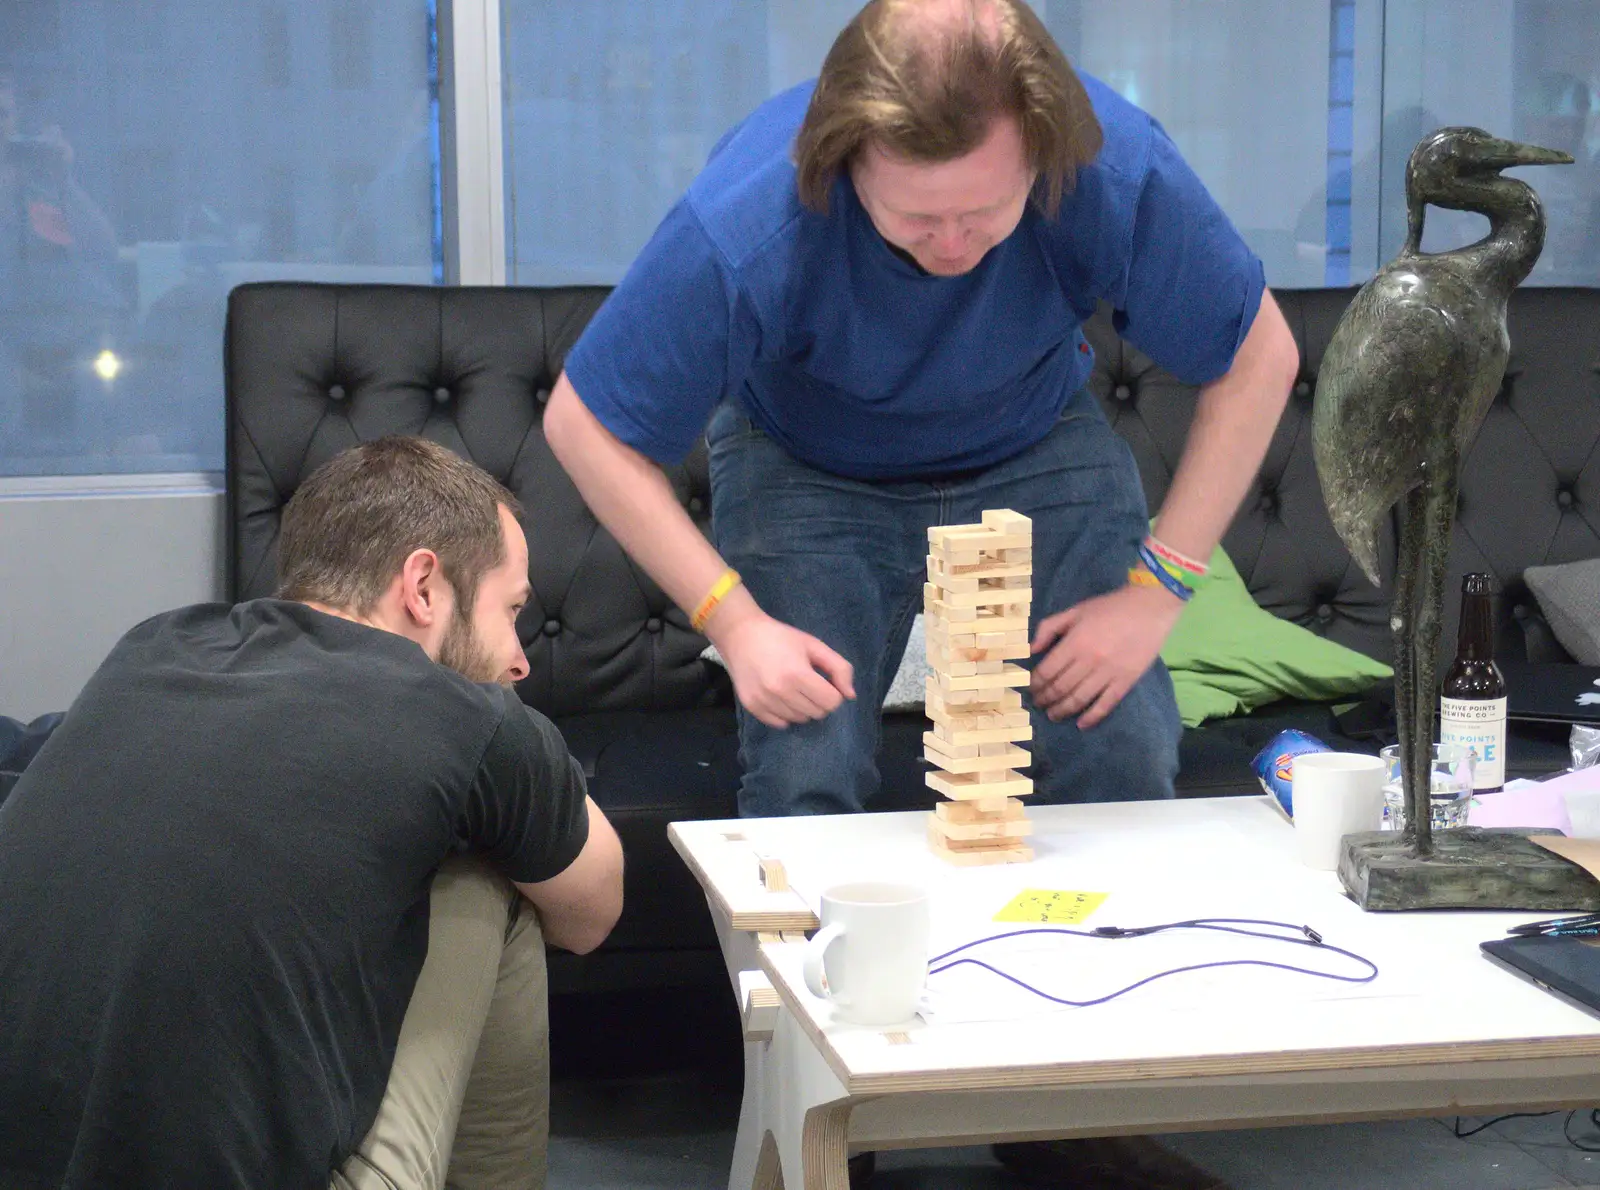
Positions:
{"x": 520, "y": 727}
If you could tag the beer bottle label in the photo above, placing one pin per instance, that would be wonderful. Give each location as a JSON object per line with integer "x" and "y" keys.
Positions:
{"x": 1479, "y": 724}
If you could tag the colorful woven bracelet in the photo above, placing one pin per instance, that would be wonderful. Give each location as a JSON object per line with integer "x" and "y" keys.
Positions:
{"x": 1167, "y": 579}
{"x": 719, "y": 592}
{"x": 1182, "y": 561}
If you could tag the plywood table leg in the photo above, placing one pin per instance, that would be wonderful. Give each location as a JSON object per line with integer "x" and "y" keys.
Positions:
{"x": 769, "y": 1170}
{"x": 755, "y": 1155}
{"x": 738, "y": 947}
{"x": 806, "y": 1109}
{"x": 823, "y": 1151}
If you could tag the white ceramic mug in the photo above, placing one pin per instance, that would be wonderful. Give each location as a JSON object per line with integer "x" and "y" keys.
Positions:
{"x": 870, "y": 958}
{"x": 1334, "y": 794}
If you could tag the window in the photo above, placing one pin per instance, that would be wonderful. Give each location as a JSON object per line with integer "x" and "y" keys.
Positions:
{"x": 612, "y": 107}
{"x": 1528, "y": 70}
{"x": 157, "y": 154}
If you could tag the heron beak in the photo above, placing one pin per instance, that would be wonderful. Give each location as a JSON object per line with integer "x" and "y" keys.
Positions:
{"x": 1506, "y": 154}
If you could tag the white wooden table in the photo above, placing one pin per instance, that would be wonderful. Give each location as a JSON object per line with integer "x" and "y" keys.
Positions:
{"x": 1441, "y": 1030}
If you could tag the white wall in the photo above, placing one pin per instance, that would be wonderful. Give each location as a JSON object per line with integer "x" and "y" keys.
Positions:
{"x": 76, "y": 572}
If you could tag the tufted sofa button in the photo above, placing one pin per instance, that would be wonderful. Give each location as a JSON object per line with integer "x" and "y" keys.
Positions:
{"x": 696, "y": 504}
{"x": 1519, "y": 612}
{"x": 1122, "y": 392}
{"x": 441, "y": 395}
{"x": 1324, "y": 612}
{"x": 336, "y": 392}
{"x": 552, "y": 627}
{"x": 653, "y": 624}
{"x": 1302, "y": 388}
{"x": 1268, "y": 503}
{"x": 1565, "y": 498}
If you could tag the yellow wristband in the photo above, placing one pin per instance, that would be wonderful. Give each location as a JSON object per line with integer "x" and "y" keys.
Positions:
{"x": 1140, "y": 577}
{"x": 719, "y": 592}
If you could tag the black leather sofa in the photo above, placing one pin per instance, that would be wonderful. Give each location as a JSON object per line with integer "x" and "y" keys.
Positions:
{"x": 312, "y": 369}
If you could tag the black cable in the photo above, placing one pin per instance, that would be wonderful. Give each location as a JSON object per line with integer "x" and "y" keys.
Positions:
{"x": 1566, "y": 1125}
{"x": 1566, "y": 1131}
{"x": 1514, "y": 1115}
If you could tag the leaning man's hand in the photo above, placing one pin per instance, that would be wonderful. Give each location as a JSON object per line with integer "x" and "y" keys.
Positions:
{"x": 1096, "y": 651}
{"x": 781, "y": 675}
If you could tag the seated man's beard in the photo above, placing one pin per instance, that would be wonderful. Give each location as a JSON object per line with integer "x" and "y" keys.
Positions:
{"x": 461, "y": 651}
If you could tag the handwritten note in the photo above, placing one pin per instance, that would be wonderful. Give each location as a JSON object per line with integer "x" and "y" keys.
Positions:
{"x": 1051, "y": 906}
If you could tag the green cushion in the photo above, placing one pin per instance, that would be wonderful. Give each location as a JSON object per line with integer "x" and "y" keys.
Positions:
{"x": 1228, "y": 656}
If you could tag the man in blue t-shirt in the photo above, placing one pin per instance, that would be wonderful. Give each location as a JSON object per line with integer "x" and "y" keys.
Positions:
{"x": 874, "y": 291}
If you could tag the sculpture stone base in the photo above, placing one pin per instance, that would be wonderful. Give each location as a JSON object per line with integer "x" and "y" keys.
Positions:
{"x": 1470, "y": 868}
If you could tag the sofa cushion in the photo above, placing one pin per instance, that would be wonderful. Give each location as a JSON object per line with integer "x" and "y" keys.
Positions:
{"x": 1569, "y": 598}
{"x": 1228, "y": 657}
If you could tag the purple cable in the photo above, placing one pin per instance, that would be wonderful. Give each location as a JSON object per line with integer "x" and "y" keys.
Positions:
{"x": 1222, "y": 925}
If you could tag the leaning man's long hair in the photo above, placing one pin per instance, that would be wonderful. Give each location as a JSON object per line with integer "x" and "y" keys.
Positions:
{"x": 925, "y": 85}
{"x": 349, "y": 528}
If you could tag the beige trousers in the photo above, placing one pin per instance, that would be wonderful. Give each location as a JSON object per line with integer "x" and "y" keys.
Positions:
{"x": 468, "y": 1101}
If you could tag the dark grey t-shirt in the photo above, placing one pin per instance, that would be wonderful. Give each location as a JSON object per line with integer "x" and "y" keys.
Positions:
{"x": 214, "y": 892}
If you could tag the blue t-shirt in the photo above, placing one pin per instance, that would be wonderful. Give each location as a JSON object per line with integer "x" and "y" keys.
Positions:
{"x": 854, "y": 360}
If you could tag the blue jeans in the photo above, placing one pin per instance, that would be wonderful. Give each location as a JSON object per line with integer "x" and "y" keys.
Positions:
{"x": 845, "y": 560}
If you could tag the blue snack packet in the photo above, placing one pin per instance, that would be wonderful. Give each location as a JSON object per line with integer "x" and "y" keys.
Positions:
{"x": 1274, "y": 764}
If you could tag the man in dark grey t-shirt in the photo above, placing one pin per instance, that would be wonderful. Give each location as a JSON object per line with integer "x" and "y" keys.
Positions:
{"x": 256, "y": 892}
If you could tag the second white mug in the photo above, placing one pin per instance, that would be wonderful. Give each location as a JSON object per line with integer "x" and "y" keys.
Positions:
{"x": 870, "y": 958}
{"x": 1334, "y": 794}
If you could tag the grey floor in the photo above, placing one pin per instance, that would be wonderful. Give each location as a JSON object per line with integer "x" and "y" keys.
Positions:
{"x": 675, "y": 1129}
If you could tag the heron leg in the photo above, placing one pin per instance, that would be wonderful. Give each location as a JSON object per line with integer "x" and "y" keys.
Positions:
{"x": 1439, "y": 506}
{"x": 1402, "y": 624}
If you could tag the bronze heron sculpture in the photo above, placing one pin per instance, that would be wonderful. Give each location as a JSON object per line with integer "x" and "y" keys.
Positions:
{"x": 1410, "y": 373}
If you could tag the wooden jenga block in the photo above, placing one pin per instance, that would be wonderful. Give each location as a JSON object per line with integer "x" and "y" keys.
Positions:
{"x": 952, "y": 584}
{"x": 1009, "y": 675}
{"x": 946, "y": 660}
{"x": 985, "y": 596}
{"x": 952, "y": 556}
{"x": 1003, "y": 520}
{"x": 943, "y": 747}
{"x": 941, "y": 634}
{"x": 940, "y": 619}
{"x": 983, "y": 828}
{"x": 965, "y": 539}
{"x": 957, "y": 734}
{"x": 941, "y": 575}
{"x": 965, "y": 663}
{"x": 977, "y": 852}
{"x": 962, "y": 702}
{"x": 961, "y": 812}
{"x": 1004, "y": 622}
{"x": 965, "y": 787}
{"x": 952, "y": 703}
{"x": 1000, "y": 640}
{"x": 1011, "y": 758}
{"x": 951, "y": 719}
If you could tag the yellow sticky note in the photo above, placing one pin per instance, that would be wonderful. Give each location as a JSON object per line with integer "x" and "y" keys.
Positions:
{"x": 1051, "y": 906}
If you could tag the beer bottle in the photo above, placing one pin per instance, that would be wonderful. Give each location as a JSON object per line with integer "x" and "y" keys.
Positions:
{"x": 1472, "y": 703}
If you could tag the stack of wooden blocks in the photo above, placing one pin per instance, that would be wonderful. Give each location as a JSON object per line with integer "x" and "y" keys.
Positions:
{"x": 980, "y": 586}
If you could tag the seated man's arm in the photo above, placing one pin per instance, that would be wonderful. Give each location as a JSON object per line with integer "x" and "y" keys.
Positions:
{"x": 579, "y": 905}
{"x": 530, "y": 812}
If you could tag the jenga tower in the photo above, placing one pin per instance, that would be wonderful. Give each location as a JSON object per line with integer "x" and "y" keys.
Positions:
{"x": 980, "y": 583}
